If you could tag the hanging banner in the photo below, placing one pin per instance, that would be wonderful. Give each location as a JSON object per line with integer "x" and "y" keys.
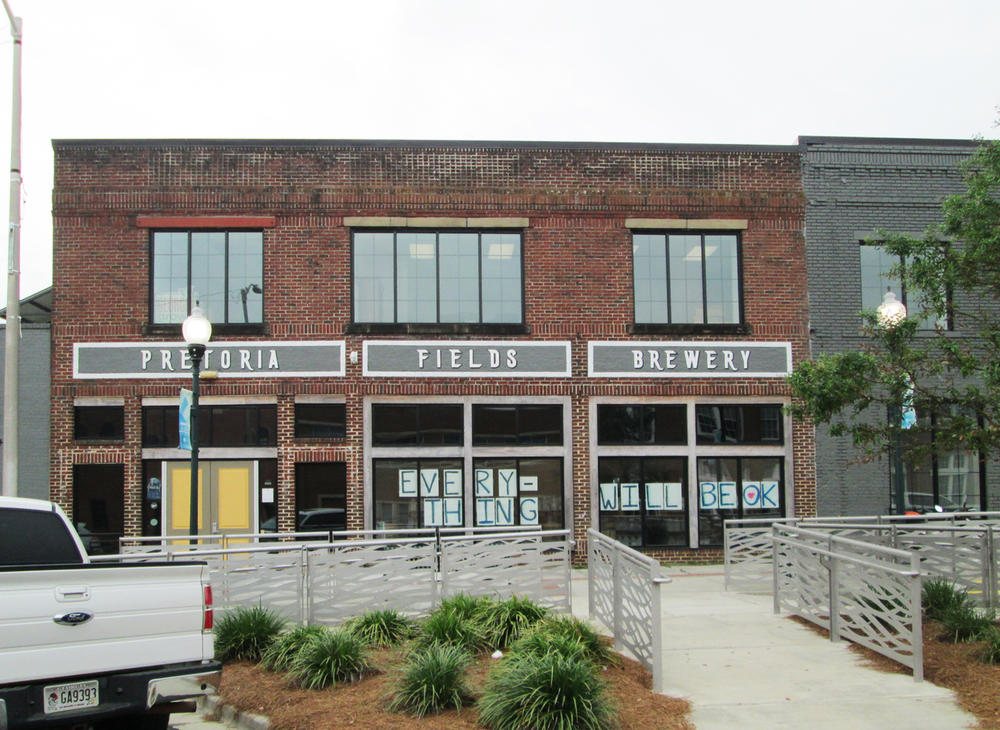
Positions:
{"x": 184, "y": 419}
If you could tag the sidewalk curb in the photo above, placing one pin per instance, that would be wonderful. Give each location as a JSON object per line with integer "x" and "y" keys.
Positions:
{"x": 212, "y": 708}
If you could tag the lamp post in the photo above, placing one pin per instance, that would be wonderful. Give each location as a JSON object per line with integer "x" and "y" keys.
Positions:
{"x": 891, "y": 313}
{"x": 197, "y": 332}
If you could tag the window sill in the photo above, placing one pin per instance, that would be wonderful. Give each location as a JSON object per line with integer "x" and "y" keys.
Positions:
{"x": 174, "y": 330}
{"x": 436, "y": 329}
{"x": 689, "y": 329}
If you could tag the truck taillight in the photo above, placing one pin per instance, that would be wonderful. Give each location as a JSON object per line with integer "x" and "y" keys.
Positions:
{"x": 209, "y": 618}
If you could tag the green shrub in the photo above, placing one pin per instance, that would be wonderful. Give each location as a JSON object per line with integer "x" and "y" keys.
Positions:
{"x": 432, "y": 680}
{"x": 464, "y": 605}
{"x": 382, "y": 628}
{"x": 540, "y": 643}
{"x": 991, "y": 652}
{"x": 940, "y": 596}
{"x": 336, "y": 655}
{"x": 447, "y": 628}
{"x": 279, "y": 655}
{"x": 548, "y": 692}
{"x": 597, "y": 648}
{"x": 245, "y": 633}
{"x": 965, "y": 623}
{"x": 502, "y": 622}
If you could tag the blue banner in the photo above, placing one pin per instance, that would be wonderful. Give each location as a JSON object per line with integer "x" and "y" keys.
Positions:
{"x": 184, "y": 419}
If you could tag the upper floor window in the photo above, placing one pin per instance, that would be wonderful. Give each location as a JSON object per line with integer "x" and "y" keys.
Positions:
{"x": 437, "y": 277}
{"x": 687, "y": 278}
{"x": 218, "y": 425}
{"x": 876, "y": 278}
{"x": 222, "y": 271}
{"x": 517, "y": 425}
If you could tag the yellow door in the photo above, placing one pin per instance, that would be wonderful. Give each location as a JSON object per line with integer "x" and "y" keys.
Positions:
{"x": 226, "y": 497}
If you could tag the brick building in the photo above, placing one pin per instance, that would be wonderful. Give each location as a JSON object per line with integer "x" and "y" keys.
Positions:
{"x": 856, "y": 187}
{"x": 432, "y": 333}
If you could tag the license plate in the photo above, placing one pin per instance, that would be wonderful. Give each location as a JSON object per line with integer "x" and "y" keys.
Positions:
{"x": 61, "y": 697}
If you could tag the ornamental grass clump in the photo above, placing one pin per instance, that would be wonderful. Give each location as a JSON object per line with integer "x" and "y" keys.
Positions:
{"x": 939, "y": 596}
{"x": 279, "y": 655}
{"x": 447, "y": 628}
{"x": 502, "y": 622}
{"x": 246, "y": 633}
{"x": 432, "y": 680}
{"x": 547, "y": 692}
{"x": 965, "y": 623}
{"x": 464, "y": 605}
{"x": 336, "y": 655}
{"x": 382, "y": 628}
{"x": 991, "y": 651}
{"x": 540, "y": 643}
{"x": 596, "y": 647}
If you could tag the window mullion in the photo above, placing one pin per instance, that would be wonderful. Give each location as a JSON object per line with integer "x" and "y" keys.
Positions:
{"x": 437, "y": 277}
{"x": 479, "y": 261}
{"x": 704, "y": 282}
{"x": 666, "y": 256}
{"x": 225, "y": 279}
{"x": 395, "y": 279}
{"x": 190, "y": 255}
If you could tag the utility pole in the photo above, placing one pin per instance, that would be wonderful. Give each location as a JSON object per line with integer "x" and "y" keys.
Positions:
{"x": 12, "y": 335}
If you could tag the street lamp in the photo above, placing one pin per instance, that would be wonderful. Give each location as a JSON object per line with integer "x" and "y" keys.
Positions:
{"x": 197, "y": 332}
{"x": 891, "y": 313}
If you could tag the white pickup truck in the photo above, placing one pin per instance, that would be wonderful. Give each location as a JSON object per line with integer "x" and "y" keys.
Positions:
{"x": 95, "y": 645}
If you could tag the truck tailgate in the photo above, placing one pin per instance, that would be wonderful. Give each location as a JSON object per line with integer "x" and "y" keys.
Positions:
{"x": 141, "y": 615}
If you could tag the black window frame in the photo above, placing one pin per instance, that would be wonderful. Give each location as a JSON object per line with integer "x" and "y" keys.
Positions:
{"x": 667, "y": 323}
{"x": 227, "y": 323}
{"x": 720, "y": 438}
{"x": 478, "y": 325}
{"x": 740, "y": 511}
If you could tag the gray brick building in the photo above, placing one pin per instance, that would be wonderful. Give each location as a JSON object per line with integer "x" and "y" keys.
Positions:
{"x": 33, "y": 390}
{"x": 855, "y": 186}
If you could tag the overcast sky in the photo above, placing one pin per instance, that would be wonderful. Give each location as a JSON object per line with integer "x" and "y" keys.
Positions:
{"x": 731, "y": 71}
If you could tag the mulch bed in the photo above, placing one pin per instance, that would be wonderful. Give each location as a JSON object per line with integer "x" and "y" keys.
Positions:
{"x": 251, "y": 689}
{"x": 954, "y": 666}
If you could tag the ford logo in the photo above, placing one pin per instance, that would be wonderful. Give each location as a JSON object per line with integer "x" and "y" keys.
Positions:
{"x": 73, "y": 618}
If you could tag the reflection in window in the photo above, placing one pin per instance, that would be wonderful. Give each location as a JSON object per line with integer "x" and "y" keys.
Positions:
{"x": 221, "y": 271}
{"x": 320, "y": 496}
{"x": 739, "y": 424}
{"x": 412, "y": 493}
{"x": 218, "y": 425}
{"x": 950, "y": 480}
{"x": 641, "y": 424}
{"x": 437, "y": 277}
{"x": 686, "y": 278}
{"x": 98, "y": 506}
{"x": 876, "y": 280}
{"x": 642, "y": 500}
{"x": 99, "y": 423}
{"x": 320, "y": 420}
{"x": 517, "y": 425}
{"x": 512, "y": 491}
{"x": 731, "y": 488}
{"x": 417, "y": 424}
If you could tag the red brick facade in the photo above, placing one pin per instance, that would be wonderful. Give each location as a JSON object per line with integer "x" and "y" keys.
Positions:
{"x": 577, "y": 274}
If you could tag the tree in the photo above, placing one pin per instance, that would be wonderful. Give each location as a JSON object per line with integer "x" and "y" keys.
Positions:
{"x": 955, "y": 270}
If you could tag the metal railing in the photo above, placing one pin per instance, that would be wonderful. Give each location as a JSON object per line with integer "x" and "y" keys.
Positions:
{"x": 623, "y": 588}
{"x": 859, "y": 591}
{"x": 313, "y": 582}
{"x": 960, "y": 547}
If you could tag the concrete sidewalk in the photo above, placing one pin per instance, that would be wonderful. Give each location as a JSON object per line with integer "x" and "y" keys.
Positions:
{"x": 743, "y": 667}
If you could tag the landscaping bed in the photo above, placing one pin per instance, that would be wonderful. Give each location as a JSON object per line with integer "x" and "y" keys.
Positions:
{"x": 472, "y": 663}
{"x": 251, "y": 689}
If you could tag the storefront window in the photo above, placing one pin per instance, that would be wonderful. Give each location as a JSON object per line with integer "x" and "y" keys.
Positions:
{"x": 518, "y": 492}
{"x": 641, "y": 500}
{"x": 418, "y": 493}
{"x": 739, "y": 424}
{"x": 641, "y": 424}
{"x": 730, "y": 488}
{"x": 417, "y": 424}
{"x": 516, "y": 425}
